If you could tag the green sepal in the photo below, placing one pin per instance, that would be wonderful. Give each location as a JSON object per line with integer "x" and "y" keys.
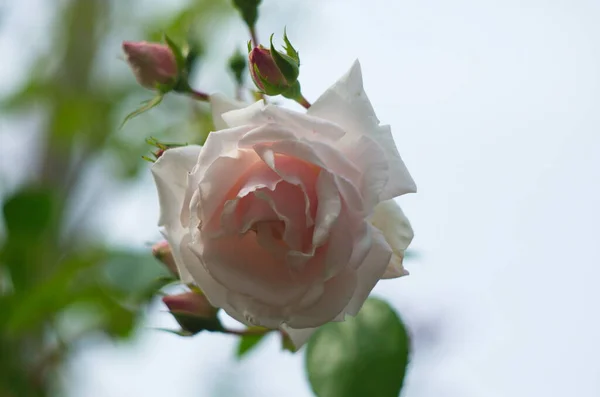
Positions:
{"x": 289, "y": 48}
{"x": 180, "y": 332}
{"x": 177, "y": 52}
{"x": 249, "y": 46}
{"x": 268, "y": 88}
{"x": 249, "y": 342}
{"x": 194, "y": 324}
{"x": 294, "y": 92}
{"x": 146, "y": 105}
{"x": 286, "y": 64}
{"x": 287, "y": 344}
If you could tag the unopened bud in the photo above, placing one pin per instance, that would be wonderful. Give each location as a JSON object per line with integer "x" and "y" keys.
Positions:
{"x": 193, "y": 312}
{"x": 151, "y": 63}
{"x": 192, "y": 303}
{"x": 162, "y": 252}
{"x": 274, "y": 72}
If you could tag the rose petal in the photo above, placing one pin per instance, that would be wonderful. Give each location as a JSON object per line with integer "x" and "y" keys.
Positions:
{"x": 302, "y": 125}
{"x": 347, "y": 104}
{"x": 370, "y": 271}
{"x": 391, "y": 221}
{"x": 220, "y": 104}
{"x": 337, "y": 293}
{"x": 244, "y": 267}
{"x": 170, "y": 176}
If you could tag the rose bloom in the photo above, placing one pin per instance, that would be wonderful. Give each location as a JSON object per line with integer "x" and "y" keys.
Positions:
{"x": 285, "y": 219}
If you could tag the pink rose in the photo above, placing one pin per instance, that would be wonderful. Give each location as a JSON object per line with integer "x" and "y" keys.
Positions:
{"x": 285, "y": 219}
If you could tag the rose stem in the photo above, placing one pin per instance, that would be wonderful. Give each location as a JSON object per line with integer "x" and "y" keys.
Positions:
{"x": 302, "y": 101}
{"x": 201, "y": 96}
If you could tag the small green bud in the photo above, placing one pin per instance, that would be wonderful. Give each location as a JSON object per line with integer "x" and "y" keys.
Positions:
{"x": 237, "y": 65}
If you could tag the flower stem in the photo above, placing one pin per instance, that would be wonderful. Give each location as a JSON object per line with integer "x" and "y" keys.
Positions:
{"x": 200, "y": 96}
{"x": 253, "y": 36}
{"x": 302, "y": 101}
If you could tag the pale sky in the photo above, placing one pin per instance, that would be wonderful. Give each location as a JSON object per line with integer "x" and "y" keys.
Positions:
{"x": 495, "y": 109}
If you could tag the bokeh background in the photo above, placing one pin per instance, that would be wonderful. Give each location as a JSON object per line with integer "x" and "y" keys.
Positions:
{"x": 495, "y": 107}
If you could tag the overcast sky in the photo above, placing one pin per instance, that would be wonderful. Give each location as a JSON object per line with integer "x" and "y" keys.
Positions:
{"x": 495, "y": 109}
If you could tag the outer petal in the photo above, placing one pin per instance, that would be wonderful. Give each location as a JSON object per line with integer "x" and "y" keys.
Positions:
{"x": 347, "y": 104}
{"x": 398, "y": 233}
{"x": 370, "y": 272}
{"x": 170, "y": 175}
{"x": 220, "y": 104}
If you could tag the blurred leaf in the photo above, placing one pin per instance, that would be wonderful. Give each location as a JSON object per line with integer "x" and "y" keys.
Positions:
{"x": 31, "y": 308}
{"x": 247, "y": 343}
{"x": 362, "y": 356}
{"x": 28, "y": 213}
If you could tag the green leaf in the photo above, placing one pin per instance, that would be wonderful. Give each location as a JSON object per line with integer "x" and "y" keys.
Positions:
{"x": 248, "y": 343}
{"x": 149, "y": 104}
{"x": 363, "y": 356}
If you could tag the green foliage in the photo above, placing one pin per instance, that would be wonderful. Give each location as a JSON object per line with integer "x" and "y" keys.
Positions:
{"x": 363, "y": 356}
{"x": 58, "y": 283}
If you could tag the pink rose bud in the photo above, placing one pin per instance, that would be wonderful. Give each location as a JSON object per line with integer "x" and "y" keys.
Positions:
{"x": 191, "y": 303}
{"x": 193, "y": 312}
{"x": 151, "y": 63}
{"x": 162, "y": 252}
{"x": 264, "y": 70}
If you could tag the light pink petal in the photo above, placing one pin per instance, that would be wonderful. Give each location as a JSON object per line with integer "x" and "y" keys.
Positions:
{"x": 368, "y": 156}
{"x": 337, "y": 293}
{"x": 302, "y": 125}
{"x": 220, "y": 104}
{"x": 391, "y": 221}
{"x": 400, "y": 181}
{"x": 244, "y": 267}
{"x": 221, "y": 180}
{"x": 170, "y": 176}
{"x": 370, "y": 271}
{"x": 347, "y": 104}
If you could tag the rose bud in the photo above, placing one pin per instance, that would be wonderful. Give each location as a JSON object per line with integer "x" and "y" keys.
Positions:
{"x": 151, "y": 63}
{"x": 274, "y": 72}
{"x": 162, "y": 252}
{"x": 193, "y": 312}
